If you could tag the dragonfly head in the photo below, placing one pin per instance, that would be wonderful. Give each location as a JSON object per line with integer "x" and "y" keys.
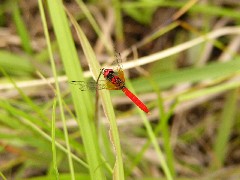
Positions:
{"x": 106, "y": 72}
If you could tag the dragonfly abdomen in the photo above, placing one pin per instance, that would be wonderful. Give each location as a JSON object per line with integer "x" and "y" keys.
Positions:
{"x": 135, "y": 99}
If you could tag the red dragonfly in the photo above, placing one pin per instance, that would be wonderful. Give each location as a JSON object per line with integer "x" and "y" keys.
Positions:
{"x": 114, "y": 80}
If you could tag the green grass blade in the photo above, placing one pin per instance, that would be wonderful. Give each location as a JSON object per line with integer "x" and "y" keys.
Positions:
{"x": 2, "y": 176}
{"x": 154, "y": 141}
{"x": 118, "y": 20}
{"x": 58, "y": 92}
{"x": 53, "y": 141}
{"x": 197, "y": 8}
{"x": 114, "y": 137}
{"x": 94, "y": 24}
{"x": 208, "y": 91}
{"x": 21, "y": 28}
{"x": 196, "y": 74}
{"x": 81, "y": 99}
{"x": 224, "y": 128}
{"x": 26, "y": 119}
{"x": 106, "y": 99}
{"x": 15, "y": 64}
{"x": 27, "y": 99}
{"x": 164, "y": 129}
{"x": 47, "y": 137}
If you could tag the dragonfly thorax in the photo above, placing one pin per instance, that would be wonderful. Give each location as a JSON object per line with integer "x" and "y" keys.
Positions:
{"x": 110, "y": 75}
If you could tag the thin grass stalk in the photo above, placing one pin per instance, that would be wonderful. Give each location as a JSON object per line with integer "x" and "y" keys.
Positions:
{"x": 54, "y": 154}
{"x": 81, "y": 100}
{"x": 224, "y": 130}
{"x": 2, "y": 176}
{"x": 48, "y": 138}
{"x": 94, "y": 24}
{"x": 118, "y": 20}
{"x": 94, "y": 66}
{"x": 154, "y": 141}
{"x": 21, "y": 27}
{"x": 57, "y": 89}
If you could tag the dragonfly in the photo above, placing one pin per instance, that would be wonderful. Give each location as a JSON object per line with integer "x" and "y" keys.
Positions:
{"x": 113, "y": 80}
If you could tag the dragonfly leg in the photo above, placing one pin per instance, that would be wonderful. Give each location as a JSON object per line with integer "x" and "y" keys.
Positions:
{"x": 101, "y": 70}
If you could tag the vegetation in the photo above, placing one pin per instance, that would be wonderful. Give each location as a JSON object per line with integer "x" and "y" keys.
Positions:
{"x": 181, "y": 58}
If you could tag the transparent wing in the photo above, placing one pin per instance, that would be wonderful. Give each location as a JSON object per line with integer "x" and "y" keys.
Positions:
{"x": 118, "y": 65}
{"x": 118, "y": 60}
{"x": 104, "y": 84}
{"x": 92, "y": 85}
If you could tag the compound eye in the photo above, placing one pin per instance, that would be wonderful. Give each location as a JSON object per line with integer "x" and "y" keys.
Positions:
{"x": 105, "y": 72}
